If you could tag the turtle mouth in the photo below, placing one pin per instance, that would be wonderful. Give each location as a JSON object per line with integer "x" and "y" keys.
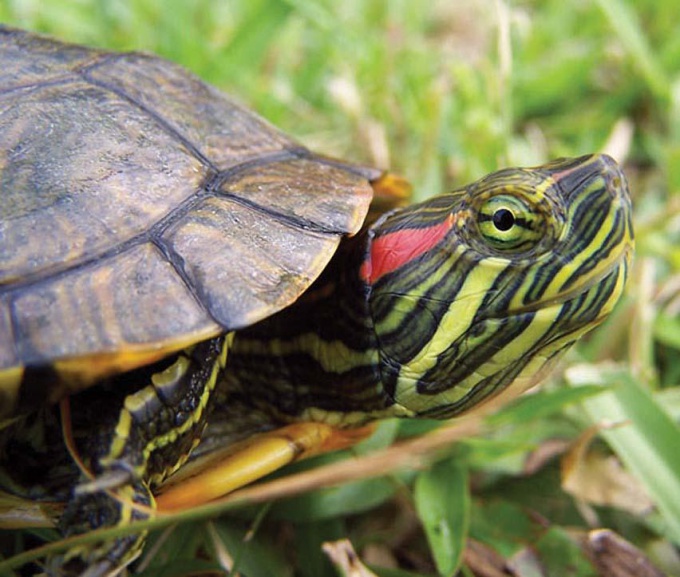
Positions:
{"x": 622, "y": 259}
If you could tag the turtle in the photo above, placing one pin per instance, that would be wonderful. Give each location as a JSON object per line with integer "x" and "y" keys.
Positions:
{"x": 180, "y": 281}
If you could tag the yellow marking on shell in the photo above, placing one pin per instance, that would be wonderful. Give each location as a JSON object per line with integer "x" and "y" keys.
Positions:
{"x": 10, "y": 384}
{"x": 392, "y": 185}
{"x": 79, "y": 372}
{"x": 101, "y": 282}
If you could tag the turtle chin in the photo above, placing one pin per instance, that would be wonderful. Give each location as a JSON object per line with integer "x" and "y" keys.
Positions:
{"x": 568, "y": 316}
{"x": 593, "y": 287}
{"x": 504, "y": 356}
{"x": 591, "y": 303}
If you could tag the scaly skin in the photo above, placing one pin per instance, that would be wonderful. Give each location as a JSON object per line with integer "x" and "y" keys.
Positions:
{"x": 430, "y": 311}
{"x": 439, "y": 309}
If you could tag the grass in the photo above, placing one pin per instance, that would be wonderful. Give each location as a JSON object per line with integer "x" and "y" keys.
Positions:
{"x": 442, "y": 93}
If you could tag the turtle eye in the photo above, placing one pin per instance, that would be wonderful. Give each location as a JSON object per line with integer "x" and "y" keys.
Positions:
{"x": 503, "y": 219}
{"x": 507, "y": 222}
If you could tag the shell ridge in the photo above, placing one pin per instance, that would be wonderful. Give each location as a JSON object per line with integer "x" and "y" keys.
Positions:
{"x": 294, "y": 222}
{"x": 157, "y": 118}
{"x": 60, "y": 80}
{"x": 155, "y": 231}
{"x": 175, "y": 260}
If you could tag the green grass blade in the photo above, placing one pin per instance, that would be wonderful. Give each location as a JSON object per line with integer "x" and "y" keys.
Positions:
{"x": 250, "y": 42}
{"x": 626, "y": 25}
{"x": 646, "y": 438}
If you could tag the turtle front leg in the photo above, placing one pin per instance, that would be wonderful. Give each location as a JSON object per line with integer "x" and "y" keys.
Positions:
{"x": 242, "y": 463}
{"x": 133, "y": 502}
{"x": 148, "y": 438}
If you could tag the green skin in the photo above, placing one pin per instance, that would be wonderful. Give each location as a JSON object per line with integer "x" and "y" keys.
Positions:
{"x": 447, "y": 310}
{"x": 432, "y": 310}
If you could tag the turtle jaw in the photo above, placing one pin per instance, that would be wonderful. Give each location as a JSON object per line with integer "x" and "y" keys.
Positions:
{"x": 583, "y": 294}
{"x": 518, "y": 349}
{"x": 615, "y": 268}
{"x": 596, "y": 242}
{"x": 609, "y": 249}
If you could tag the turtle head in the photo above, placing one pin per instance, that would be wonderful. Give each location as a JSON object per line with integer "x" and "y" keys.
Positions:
{"x": 477, "y": 290}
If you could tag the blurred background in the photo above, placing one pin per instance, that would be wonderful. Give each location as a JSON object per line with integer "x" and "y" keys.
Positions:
{"x": 442, "y": 92}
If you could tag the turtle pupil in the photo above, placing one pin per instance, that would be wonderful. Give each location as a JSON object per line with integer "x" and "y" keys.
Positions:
{"x": 503, "y": 219}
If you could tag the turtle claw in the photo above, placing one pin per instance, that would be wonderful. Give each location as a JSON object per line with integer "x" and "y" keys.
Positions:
{"x": 95, "y": 508}
{"x": 101, "y": 569}
{"x": 60, "y": 567}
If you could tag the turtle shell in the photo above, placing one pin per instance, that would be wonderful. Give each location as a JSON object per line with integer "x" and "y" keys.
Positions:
{"x": 143, "y": 210}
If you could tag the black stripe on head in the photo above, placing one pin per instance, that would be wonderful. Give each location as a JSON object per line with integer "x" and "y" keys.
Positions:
{"x": 485, "y": 389}
{"x": 403, "y": 322}
{"x": 611, "y": 242}
{"x": 471, "y": 351}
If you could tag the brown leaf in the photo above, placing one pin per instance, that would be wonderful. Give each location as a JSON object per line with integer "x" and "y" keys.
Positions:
{"x": 483, "y": 561}
{"x": 600, "y": 479}
{"x": 342, "y": 555}
{"x": 613, "y": 556}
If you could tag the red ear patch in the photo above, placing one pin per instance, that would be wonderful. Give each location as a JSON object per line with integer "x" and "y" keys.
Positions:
{"x": 395, "y": 249}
